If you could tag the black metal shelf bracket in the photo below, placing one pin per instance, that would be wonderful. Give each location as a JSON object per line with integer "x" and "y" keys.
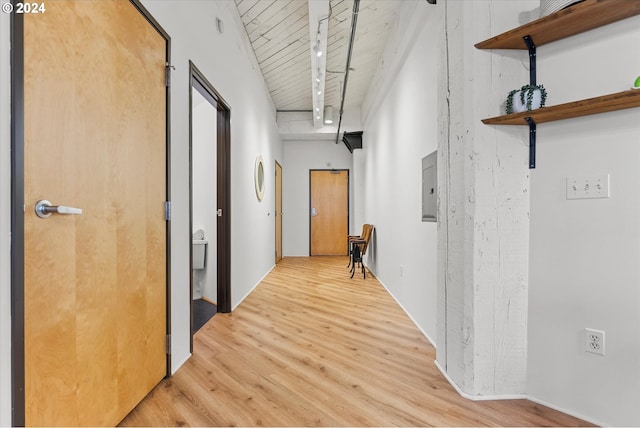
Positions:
{"x": 532, "y": 141}
{"x": 532, "y": 81}
{"x": 532, "y": 59}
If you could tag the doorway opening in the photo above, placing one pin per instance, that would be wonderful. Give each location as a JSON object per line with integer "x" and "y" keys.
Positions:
{"x": 209, "y": 200}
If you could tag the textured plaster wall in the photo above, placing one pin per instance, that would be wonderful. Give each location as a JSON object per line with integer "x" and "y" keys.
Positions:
{"x": 484, "y": 206}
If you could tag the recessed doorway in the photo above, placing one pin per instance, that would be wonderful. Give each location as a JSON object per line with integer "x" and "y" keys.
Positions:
{"x": 328, "y": 212}
{"x": 209, "y": 144}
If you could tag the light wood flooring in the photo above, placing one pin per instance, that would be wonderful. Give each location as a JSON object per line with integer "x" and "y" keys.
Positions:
{"x": 311, "y": 347}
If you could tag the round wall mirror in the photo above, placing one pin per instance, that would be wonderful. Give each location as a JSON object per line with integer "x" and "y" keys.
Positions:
{"x": 259, "y": 177}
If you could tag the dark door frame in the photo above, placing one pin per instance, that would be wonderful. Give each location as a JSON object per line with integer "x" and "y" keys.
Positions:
{"x": 17, "y": 208}
{"x": 348, "y": 198}
{"x": 278, "y": 213}
{"x": 223, "y": 190}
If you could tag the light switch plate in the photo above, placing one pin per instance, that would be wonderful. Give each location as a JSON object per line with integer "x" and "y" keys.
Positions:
{"x": 588, "y": 187}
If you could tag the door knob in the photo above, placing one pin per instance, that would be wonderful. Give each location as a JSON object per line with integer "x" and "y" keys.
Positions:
{"x": 44, "y": 209}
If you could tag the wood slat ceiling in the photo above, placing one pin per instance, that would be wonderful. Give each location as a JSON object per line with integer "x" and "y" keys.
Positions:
{"x": 279, "y": 34}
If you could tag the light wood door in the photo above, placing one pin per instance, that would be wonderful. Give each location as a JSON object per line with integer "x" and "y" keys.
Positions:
{"x": 95, "y": 284}
{"x": 278, "y": 212}
{"x": 329, "y": 212}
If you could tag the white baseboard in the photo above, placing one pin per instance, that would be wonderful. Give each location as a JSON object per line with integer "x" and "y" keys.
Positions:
{"x": 405, "y": 311}
{"x": 515, "y": 397}
{"x": 177, "y": 367}
{"x": 478, "y": 397}
{"x": 568, "y": 412}
{"x": 253, "y": 288}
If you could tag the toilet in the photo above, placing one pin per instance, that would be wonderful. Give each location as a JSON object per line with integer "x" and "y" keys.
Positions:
{"x": 199, "y": 249}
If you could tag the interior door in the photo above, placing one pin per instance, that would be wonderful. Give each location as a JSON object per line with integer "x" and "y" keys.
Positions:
{"x": 329, "y": 212}
{"x": 95, "y": 282}
{"x": 278, "y": 212}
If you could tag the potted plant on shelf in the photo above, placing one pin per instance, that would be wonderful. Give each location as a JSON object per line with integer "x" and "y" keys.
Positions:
{"x": 527, "y": 98}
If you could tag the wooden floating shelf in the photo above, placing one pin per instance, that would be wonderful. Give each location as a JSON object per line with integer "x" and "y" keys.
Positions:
{"x": 573, "y": 20}
{"x": 618, "y": 101}
{"x": 583, "y": 16}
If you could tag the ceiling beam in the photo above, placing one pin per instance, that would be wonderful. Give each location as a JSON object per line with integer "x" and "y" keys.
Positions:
{"x": 318, "y": 30}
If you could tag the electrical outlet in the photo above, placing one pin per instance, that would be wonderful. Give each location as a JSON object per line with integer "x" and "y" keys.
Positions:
{"x": 594, "y": 341}
{"x": 594, "y": 186}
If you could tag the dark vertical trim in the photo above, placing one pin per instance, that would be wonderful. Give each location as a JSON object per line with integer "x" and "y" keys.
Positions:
{"x": 224, "y": 202}
{"x": 310, "y": 208}
{"x": 17, "y": 220}
{"x": 168, "y": 183}
{"x": 278, "y": 212}
{"x": 191, "y": 79}
{"x": 348, "y": 201}
{"x": 348, "y": 206}
{"x": 147, "y": 15}
{"x": 223, "y": 190}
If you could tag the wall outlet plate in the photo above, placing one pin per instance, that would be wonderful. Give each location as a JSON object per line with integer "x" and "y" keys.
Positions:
{"x": 588, "y": 187}
{"x": 594, "y": 341}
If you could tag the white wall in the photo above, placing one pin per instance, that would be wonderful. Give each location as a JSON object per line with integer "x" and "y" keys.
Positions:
{"x": 204, "y": 148}
{"x": 5, "y": 223}
{"x": 400, "y": 127}
{"x": 231, "y": 68}
{"x": 585, "y": 254}
{"x": 299, "y": 158}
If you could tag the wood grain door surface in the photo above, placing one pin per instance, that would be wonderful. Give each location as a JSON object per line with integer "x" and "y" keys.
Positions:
{"x": 278, "y": 212}
{"x": 329, "y": 212}
{"x": 95, "y": 284}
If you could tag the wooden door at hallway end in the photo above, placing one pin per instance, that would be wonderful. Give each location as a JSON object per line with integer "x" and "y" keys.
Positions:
{"x": 328, "y": 212}
{"x": 95, "y": 286}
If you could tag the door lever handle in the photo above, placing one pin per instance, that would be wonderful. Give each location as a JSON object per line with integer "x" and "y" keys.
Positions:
{"x": 44, "y": 209}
